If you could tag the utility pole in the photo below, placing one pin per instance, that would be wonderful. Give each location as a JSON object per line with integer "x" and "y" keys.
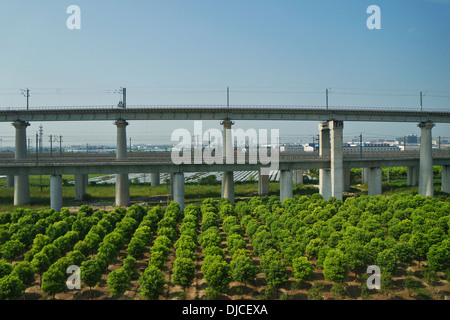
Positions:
{"x": 123, "y": 103}
{"x": 124, "y": 97}
{"x": 60, "y": 145}
{"x": 37, "y": 147}
{"x": 41, "y": 138}
{"x": 422, "y": 94}
{"x": 228, "y": 97}
{"x": 327, "y": 91}
{"x": 420, "y": 100}
{"x": 439, "y": 142}
{"x": 51, "y": 146}
{"x": 228, "y": 100}
{"x": 26, "y": 93}
{"x": 360, "y": 146}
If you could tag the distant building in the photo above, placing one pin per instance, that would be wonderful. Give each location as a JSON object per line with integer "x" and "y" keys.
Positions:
{"x": 309, "y": 147}
{"x": 410, "y": 139}
{"x": 291, "y": 148}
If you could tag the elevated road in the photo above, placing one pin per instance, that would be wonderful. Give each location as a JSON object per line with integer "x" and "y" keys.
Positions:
{"x": 333, "y": 161}
{"x": 149, "y": 162}
{"x": 202, "y": 112}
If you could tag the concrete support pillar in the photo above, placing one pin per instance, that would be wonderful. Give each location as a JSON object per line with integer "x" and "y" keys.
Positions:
{"x": 122, "y": 190}
{"x": 337, "y": 160}
{"x": 445, "y": 177}
{"x": 122, "y": 183}
{"x": 228, "y": 157}
{"x": 228, "y": 186}
{"x": 374, "y": 181}
{"x": 56, "y": 198}
{"x": 364, "y": 175}
{"x": 227, "y": 142}
{"x": 347, "y": 179}
{"x": 263, "y": 184}
{"x": 86, "y": 179}
{"x": 9, "y": 181}
{"x": 155, "y": 179}
{"x": 297, "y": 176}
{"x": 21, "y": 190}
{"x": 286, "y": 190}
{"x": 178, "y": 189}
{"x": 412, "y": 176}
{"x": 80, "y": 186}
{"x": 21, "y": 183}
{"x": 426, "y": 187}
{"x": 172, "y": 177}
{"x": 324, "y": 151}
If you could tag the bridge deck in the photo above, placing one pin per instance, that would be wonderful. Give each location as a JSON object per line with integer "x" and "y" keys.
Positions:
{"x": 198, "y": 112}
{"x": 157, "y": 162}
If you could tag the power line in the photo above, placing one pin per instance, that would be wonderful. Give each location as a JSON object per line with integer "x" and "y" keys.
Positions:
{"x": 202, "y": 90}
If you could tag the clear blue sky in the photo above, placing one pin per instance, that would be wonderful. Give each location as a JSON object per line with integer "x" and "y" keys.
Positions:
{"x": 188, "y": 52}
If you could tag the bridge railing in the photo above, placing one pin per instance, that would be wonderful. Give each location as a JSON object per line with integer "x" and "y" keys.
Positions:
{"x": 223, "y": 108}
{"x": 166, "y": 157}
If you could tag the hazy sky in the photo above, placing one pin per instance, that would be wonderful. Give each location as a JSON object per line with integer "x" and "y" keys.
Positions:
{"x": 187, "y": 52}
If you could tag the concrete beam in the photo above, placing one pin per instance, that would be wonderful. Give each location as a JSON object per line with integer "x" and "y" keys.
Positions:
{"x": 426, "y": 187}
{"x": 374, "y": 181}
{"x": 268, "y": 113}
{"x": 56, "y": 198}
{"x": 113, "y": 167}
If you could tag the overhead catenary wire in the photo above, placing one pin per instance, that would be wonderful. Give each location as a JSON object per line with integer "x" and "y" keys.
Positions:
{"x": 241, "y": 92}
